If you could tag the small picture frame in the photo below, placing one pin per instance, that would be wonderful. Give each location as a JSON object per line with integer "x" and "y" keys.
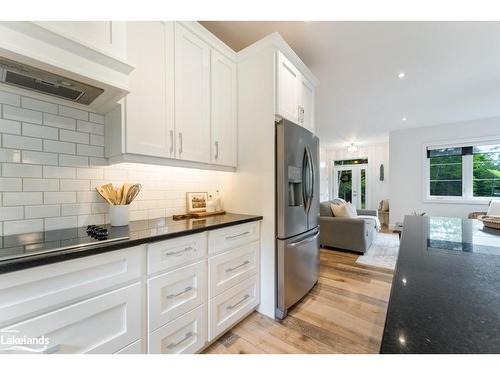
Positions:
{"x": 196, "y": 202}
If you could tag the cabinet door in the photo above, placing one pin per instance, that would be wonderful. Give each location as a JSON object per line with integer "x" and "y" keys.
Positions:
{"x": 103, "y": 324}
{"x": 192, "y": 96}
{"x": 288, "y": 85}
{"x": 105, "y": 36}
{"x": 173, "y": 294}
{"x": 185, "y": 335}
{"x": 149, "y": 106}
{"x": 232, "y": 305}
{"x": 224, "y": 117}
{"x": 306, "y": 104}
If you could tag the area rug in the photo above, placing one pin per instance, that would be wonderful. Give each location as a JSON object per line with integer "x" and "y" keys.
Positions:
{"x": 382, "y": 253}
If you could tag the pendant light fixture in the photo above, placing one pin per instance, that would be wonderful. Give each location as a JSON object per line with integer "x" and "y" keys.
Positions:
{"x": 352, "y": 148}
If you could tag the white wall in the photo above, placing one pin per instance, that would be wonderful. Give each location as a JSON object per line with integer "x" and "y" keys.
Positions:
{"x": 51, "y": 160}
{"x": 253, "y": 189}
{"x": 406, "y": 166}
{"x": 376, "y": 153}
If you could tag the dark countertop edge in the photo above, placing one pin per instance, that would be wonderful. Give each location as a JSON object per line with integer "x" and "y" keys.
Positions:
{"x": 383, "y": 343}
{"x": 36, "y": 260}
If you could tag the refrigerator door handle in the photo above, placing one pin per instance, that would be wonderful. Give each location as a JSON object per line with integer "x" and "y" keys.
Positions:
{"x": 313, "y": 175}
{"x": 308, "y": 176}
{"x": 304, "y": 180}
{"x": 307, "y": 240}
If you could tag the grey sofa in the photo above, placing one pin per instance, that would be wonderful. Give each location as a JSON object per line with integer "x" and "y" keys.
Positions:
{"x": 355, "y": 234}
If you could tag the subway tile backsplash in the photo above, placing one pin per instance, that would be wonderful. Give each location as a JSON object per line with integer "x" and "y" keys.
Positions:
{"x": 52, "y": 158}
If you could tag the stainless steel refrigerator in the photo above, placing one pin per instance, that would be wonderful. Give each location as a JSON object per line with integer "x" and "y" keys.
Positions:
{"x": 297, "y": 214}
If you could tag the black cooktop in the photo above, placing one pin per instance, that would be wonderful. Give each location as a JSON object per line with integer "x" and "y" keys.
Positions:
{"x": 22, "y": 245}
{"x": 33, "y": 249}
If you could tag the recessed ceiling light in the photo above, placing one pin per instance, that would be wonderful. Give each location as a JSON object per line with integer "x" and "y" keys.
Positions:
{"x": 403, "y": 119}
{"x": 401, "y": 75}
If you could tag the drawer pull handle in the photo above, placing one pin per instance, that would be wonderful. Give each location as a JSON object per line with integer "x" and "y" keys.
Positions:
{"x": 237, "y": 235}
{"x": 247, "y": 296}
{"x": 241, "y": 265}
{"x": 175, "y": 344}
{"x": 188, "y": 289}
{"x": 170, "y": 253}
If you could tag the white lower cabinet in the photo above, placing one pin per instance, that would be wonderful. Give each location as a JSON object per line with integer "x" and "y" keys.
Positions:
{"x": 228, "y": 238}
{"x": 169, "y": 254}
{"x": 231, "y": 306}
{"x": 174, "y": 293}
{"x": 103, "y": 324}
{"x": 136, "y": 347}
{"x": 178, "y": 301}
{"x": 34, "y": 291}
{"x": 230, "y": 268}
{"x": 185, "y": 335}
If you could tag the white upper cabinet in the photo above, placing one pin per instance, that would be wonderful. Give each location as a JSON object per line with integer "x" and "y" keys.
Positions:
{"x": 106, "y": 36}
{"x": 149, "y": 106}
{"x": 295, "y": 94}
{"x": 224, "y": 111}
{"x": 192, "y": 96}
{"x": 287, "y": 91}
{"x": 182, "y": 106}
{"x": 306, "y": 104}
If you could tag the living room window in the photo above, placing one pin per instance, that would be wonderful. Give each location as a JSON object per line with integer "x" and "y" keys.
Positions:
{"x": 463, "y": 172}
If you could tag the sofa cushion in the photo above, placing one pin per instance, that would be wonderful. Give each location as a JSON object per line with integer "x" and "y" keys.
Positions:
{"x": 342, "y": 210}
{"x": 494, "y": 208}
{"x": 324, "y": 209}
{"x": 352, "y": 209}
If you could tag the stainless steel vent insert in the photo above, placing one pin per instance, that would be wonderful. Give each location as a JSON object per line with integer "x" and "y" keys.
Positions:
{"x": 34, "y": 79}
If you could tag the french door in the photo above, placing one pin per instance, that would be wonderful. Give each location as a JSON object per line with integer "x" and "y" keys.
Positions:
{"x": 350, "y": 184}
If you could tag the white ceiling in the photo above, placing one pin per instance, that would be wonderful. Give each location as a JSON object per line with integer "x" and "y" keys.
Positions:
{"x": 452, "y": 72}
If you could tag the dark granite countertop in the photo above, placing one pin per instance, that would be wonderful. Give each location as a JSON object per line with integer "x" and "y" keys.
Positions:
{"x": 35, "y": 249}
{"x": 445, "y": 295}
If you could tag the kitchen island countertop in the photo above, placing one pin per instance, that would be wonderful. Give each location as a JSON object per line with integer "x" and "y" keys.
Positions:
{"x": 445, "y": 295}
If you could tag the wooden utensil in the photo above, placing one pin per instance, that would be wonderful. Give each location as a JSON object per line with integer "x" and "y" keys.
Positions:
{"x": 110, "y": 192}
{"x": 125, "y": 189}
{"x": 103, "y": 193}
{"x": 119, "y": 195}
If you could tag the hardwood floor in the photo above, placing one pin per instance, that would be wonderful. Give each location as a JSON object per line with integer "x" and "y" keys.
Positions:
{"x": 344, "y": 313}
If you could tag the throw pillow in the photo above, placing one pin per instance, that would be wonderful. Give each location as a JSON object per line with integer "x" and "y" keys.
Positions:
{"x": 352, "y": 209}
{"x": 340, "y": 210}
{"x": 494, "y": 208}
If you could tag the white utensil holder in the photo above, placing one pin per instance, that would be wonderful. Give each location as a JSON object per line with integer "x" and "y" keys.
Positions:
{"x": 119, "y": 215}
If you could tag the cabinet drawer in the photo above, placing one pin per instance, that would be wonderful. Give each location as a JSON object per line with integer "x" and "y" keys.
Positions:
{"x": 228, "y": 269}
{"x": 230, "y": 237}
{"x": 37, "y": 290}
{"x": 134, "y": 348}
{"x": 167, "y": 254}
{"x": 185, "y": 335}
{"x": 103, "y": 324}
{"x": 175, "y": 293}
{"x": 230, "y": 306}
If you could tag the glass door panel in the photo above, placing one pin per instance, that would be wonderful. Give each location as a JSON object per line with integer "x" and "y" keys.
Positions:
{"x": 351, "y": 184}
{"x": 345, "y": 188}
{"x": 362, "y": 188}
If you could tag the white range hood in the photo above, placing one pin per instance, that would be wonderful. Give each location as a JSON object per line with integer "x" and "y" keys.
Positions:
{"x": 91, "y": 54}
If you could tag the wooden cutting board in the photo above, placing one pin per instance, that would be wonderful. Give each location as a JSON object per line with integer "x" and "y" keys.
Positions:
{"x": 196, "y": 215}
